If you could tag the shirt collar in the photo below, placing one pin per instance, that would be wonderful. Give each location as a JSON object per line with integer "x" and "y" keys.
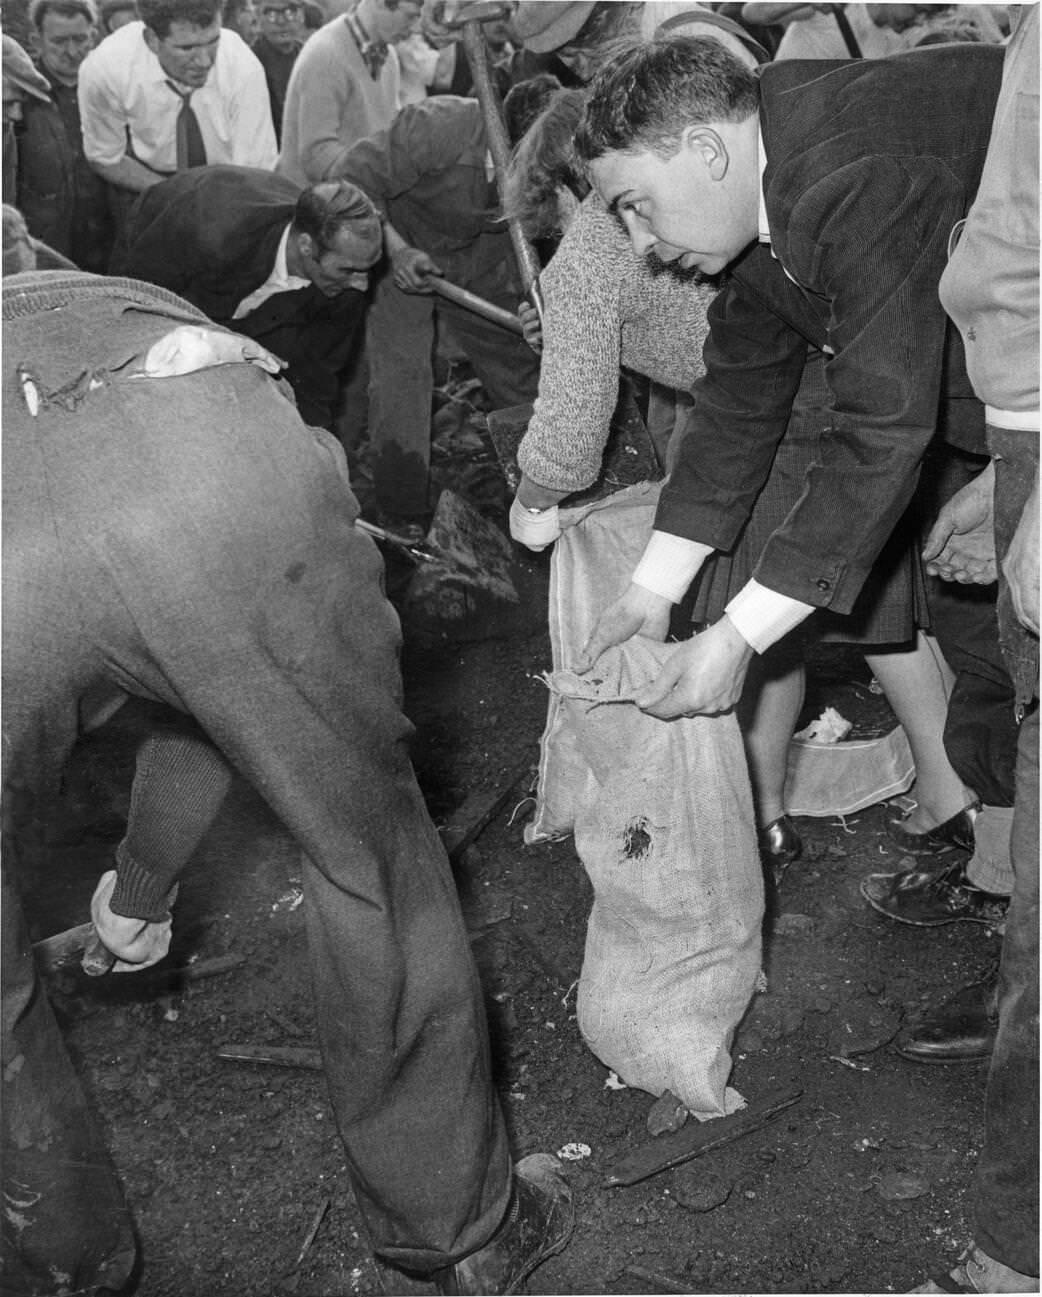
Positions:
{"x": 280, "y": 274}
{"x": 374, "y": 53}
{"x": 764, "y": 232}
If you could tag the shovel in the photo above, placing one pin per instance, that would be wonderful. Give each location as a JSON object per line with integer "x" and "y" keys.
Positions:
{"x": 464, "y": 562}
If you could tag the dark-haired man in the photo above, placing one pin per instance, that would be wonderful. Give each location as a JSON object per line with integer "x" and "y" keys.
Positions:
{"x": 176, "y": 532}
{"x": 829, "y": 191}
{"x": 285, "y": 266}
{"x": 173, "y": 91}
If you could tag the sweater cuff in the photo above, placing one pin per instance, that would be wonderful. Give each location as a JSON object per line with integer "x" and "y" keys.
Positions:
{"x": 138, "y": 893}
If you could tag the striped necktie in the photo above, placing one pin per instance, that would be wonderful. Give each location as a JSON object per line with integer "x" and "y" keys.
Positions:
{"x": 191, "y": 151}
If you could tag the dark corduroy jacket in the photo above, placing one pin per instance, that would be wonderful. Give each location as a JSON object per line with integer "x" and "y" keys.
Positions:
{"x": 870, "y": 166}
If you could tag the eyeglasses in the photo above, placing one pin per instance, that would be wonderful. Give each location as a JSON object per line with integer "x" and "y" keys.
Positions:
{"x": 285, "y": 14}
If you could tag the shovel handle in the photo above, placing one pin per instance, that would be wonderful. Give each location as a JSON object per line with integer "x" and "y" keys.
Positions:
{"x": 499, "y": 146}
{"x": 472, "y": 302}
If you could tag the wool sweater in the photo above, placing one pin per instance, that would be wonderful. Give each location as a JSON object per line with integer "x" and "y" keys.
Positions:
{"x": 605, "y": 308}
{"x": 333, "y": 102}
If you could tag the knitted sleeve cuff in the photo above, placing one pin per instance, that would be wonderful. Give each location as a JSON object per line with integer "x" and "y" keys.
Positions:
{"x": 138, "y": 893}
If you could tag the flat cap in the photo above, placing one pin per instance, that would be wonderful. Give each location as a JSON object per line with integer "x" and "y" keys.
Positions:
{"x": 545, "y": 25}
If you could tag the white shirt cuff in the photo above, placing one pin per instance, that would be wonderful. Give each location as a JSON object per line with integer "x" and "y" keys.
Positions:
{"x": 762, "y": 616}
{"x": 669, "y": 565}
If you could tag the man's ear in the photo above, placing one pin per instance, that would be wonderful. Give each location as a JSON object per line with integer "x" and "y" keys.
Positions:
{"x": 151, "y": 40}
{"x": 33, "y": 43}
{"x": 710, "y": 149}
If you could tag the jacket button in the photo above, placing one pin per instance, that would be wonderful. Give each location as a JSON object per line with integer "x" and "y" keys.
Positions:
{"x": 822, "y": 584}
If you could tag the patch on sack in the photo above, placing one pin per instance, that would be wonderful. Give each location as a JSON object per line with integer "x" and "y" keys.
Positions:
{"x": 636, "y": 840}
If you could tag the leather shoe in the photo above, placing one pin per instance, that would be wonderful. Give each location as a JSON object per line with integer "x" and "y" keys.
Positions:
{"x": 955, "y": 834}
{"x": 538, "y": 1224}
{"x": 779, "y": 844}
{"x": 961, "y": 1030}
{"x": 929, "y": 898}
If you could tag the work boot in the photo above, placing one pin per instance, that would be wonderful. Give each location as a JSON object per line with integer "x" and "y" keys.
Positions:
{"x": 537, "y": 1225}
{"x": 929, "y": 898}
{"x": 961, "y": 1030}
{"x": 955, "y": 834}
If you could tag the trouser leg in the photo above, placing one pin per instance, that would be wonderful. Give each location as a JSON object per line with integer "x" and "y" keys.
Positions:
{"x": 1006, "y": 1186}
{"x": 287, "y": 657}
{"x": 505, "y": 363}
{"x": 400, "y": 342}
{"x": 66, "y": 1226}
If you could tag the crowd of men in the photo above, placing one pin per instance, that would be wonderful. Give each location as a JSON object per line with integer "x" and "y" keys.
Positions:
{"x": 202, "y": 218}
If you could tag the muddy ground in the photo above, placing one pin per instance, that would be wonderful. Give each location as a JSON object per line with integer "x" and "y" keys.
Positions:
{"x": 861, "y": 1186}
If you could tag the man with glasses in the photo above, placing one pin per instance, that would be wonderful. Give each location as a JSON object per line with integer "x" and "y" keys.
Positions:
{"x": 284, "y": 267}
{"x": 171, "y": 92}
{"x": 281, "y": 37}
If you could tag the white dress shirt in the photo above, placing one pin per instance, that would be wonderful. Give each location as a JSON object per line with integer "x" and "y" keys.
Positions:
{"x": 279, "y": 281}
{"x": 124, "y": 99}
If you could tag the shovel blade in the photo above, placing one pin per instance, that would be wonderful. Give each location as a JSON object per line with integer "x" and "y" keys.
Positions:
{"x": 473, "y": 565}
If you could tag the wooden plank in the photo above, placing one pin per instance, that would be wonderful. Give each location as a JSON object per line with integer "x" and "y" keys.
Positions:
{"x": 667, "y": 1151}
{"x": 477, "y": 811}
{"x": 273, "y": 1055}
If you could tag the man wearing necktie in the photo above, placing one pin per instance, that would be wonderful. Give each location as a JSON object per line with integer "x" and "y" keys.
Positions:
{"x": 172, "y": 92}
{"x": 344, "y": 87}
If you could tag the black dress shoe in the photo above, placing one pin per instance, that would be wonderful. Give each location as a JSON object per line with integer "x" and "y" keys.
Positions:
{"x": 961, "y": 1030}
{"x": 929, "y": 898}
{"x": 955, "y": 834}
{"x": 779, "y": 845}
{"x": 537, "y": 1225}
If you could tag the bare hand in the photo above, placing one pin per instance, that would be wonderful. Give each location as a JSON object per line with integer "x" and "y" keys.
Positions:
{"x": 636, "y": 612}
{"x": 532, "y": 326}
{"x": 1020, "y": 567}
{"x": 411, "y": 268}
{"x": 961, "y": 543}
{"x": 704, "y": 677}
{"x": 136, "y": 943}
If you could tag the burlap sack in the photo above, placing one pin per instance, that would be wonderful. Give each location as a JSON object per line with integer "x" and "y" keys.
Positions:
{"x": 664, "y": 827}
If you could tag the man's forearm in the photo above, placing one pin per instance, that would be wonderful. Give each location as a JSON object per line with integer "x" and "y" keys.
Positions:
{"x": 128, "y": 173}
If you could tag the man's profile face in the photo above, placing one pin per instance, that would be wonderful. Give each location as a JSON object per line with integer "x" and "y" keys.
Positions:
{"x": 282, "y": 23}
{"x": 394, "y": 25}
{"x": 345, "y": 262}
{"x": 64, "y": 43}
{"x": 188, "y": 52}
{"x": 674, "y": 208}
